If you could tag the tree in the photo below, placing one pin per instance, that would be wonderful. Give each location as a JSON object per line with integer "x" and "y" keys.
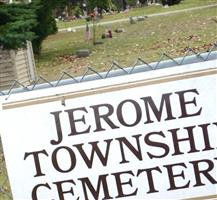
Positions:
{"x": 46, "y": 22}
{"x": 131, "y": 2}
{"x": 144, "y": 2}
{"x": 21, "y": 22}
{"x": 17, "y": 21}
{"x": 170, "y": 2}
{"x": 121, "y": 4}
{"x": 102, "y": 4}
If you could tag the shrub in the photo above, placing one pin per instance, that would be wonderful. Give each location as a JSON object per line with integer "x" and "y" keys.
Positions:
{"x": 131, "y": 2}
{"x": 170, "y": 2}
{"x": 16, "y": 23}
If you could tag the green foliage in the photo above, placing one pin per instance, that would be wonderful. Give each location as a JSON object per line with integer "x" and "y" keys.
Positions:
{"x": 98, "y": 3}
{"x": 21, "y": 22}
{"x": 78, "y": 11}
{"x": 121, "y": 4}
{"x": 15, "y": 25}
{"x": 131, "y": 2}
{"x": 46, "y": 22}
{"x": 170, "y": 2}
{"x": 112, "y": 5}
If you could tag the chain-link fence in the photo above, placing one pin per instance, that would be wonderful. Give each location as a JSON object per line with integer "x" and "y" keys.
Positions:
{"x": 165, "y": 61}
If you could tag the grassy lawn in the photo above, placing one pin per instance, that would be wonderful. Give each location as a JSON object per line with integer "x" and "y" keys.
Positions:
{"x": 147, "y": 39}
{"x": 141, "y": 11}
{"x": 4, "y": 183}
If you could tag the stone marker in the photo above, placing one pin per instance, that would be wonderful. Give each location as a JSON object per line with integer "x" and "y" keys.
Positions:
{"x": 132, "y": 21}
{"x": 141, "y": 18}
{"x": 83, "y": 52}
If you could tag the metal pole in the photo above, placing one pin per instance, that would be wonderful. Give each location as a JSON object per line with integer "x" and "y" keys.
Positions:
{"x": 94, "y": 32}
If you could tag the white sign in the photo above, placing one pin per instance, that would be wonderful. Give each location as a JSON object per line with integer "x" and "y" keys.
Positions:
{"x": 148, "y": 138}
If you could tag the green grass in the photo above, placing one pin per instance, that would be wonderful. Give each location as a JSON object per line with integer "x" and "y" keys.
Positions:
{"x": 4, "y": 183}
{"x": 141, "y": 11}
{"x": 148, "y": 39}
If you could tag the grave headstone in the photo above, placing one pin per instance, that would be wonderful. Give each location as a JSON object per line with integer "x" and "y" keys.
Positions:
{"x": 132, "y": 21}
{"x": 83, "y": 52}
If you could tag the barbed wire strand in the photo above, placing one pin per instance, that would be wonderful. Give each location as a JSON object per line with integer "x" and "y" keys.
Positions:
{"x": 140, "y": 64}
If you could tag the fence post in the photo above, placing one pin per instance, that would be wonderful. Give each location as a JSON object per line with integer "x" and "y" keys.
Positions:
{"x": 31, "y": 61}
